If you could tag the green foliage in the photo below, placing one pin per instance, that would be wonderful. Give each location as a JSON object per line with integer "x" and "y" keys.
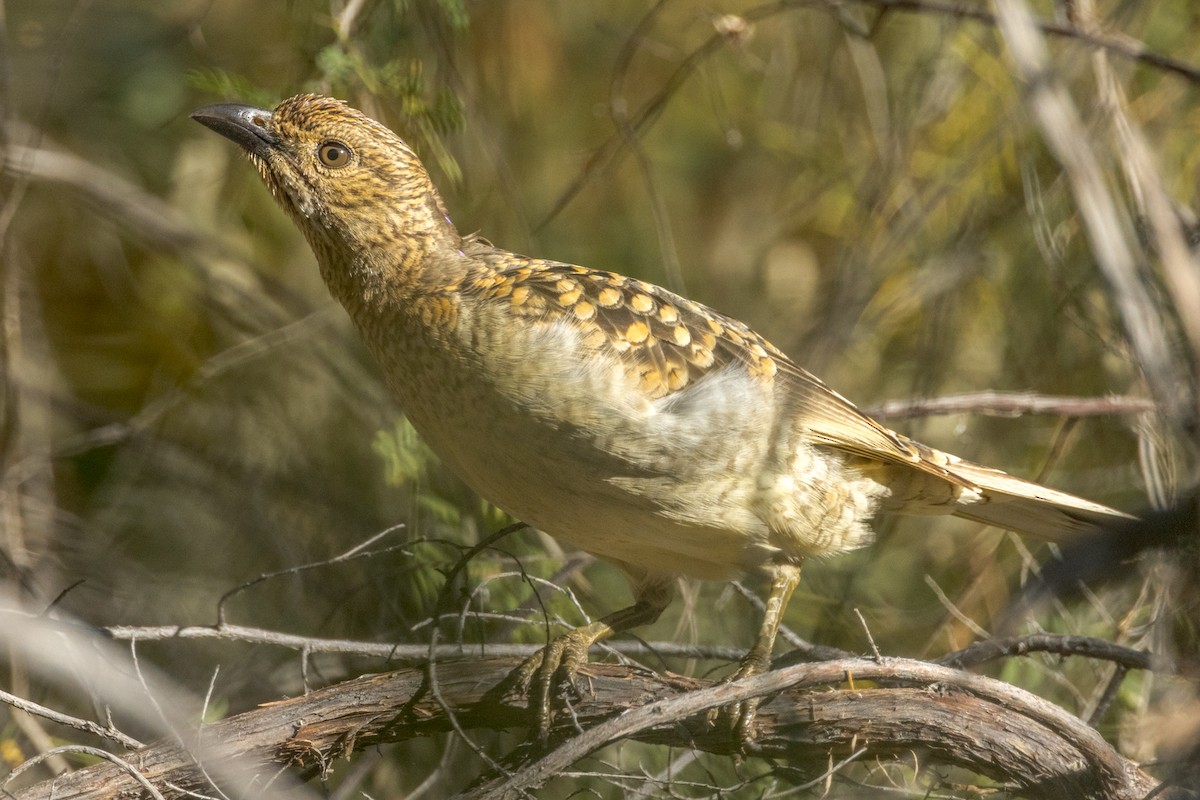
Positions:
{"x": 221, "y": 83}
{"x": 338, "y": 66}
{"x": 455, "y": 12}
{"x": 406, "y": 459}
{"x": 428, "y": 111}
{"x": 405, "y": 455}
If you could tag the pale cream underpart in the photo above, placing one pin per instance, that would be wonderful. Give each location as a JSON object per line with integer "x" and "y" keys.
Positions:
{"x": 698, "y": 483}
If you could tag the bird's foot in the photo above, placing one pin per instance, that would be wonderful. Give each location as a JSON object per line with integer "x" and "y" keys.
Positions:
{"x": 550, "y": 673}
{"x": 736, "y": 720}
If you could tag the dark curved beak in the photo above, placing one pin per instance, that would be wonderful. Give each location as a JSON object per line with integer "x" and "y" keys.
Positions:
{"x": 246, "y": 125}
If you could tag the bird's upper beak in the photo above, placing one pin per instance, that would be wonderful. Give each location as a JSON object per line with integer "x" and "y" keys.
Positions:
{"x": 246, "y": 125}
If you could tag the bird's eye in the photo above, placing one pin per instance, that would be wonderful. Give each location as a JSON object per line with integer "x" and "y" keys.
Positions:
{"x": 334, "y": 154}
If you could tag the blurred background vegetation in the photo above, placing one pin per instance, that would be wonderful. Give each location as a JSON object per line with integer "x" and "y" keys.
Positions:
{"x": 185, "y": 409}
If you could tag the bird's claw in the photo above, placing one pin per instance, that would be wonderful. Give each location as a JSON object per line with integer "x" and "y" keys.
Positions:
{"x": 550, "y": 673}
{"x": 736, "y": 720}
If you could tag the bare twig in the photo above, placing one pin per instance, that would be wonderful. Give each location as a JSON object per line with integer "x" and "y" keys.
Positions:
{"x": 1089, "y": 646}
{"x": 870, "y": 639}
{"x": 954, "y": 610}
{"x": 1123, "y": 46}
{"x": 972, "y": 655}
{"x": 128, "y": 768}
{"x": 1108, "y": 695}
{"x": 392, "y": 651}
{"x": 618, "y": 106}
{"x": 616, "y": 146}
{"x": 1108, "y": 229}
{"x": 360, "y": 550}
{"x": 87, "y": 726}
{"x": 431, "y": 650}
{"x": 1155, "y": 206}
{"x": 1011, "y": 404}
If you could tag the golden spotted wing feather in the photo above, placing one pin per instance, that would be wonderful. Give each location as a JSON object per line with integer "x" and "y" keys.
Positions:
{"x": 673, "y": 342}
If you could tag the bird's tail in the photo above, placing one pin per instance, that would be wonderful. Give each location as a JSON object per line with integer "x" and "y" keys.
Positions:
{"x": 1027, "y": 507}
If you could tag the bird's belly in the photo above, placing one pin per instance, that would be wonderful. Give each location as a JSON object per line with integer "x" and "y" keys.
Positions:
{"x": 570, "y": 485}
{"x": 704, "y": 482}
{"x": 564, "y": 449}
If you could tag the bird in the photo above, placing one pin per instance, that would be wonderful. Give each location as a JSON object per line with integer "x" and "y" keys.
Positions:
{"x": 625, "y": 420}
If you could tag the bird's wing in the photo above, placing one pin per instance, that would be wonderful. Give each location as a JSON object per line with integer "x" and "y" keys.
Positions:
{"x": 668, "y": 342}
{"x": 672, "y": 342}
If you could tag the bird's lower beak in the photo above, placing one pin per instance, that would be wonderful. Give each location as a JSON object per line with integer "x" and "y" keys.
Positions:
{"x": 246, "y": 125}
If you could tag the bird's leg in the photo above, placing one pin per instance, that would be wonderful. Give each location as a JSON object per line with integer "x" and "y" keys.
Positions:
{"x": 739, "y": 717}
{"x": 554, "y": 666}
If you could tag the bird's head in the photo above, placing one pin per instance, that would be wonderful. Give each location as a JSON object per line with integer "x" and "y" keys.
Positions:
{"x": 356, "y": 190}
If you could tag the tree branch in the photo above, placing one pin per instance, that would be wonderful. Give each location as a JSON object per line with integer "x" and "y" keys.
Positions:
{"x": 1011, "y": 404}
{"x": 84, "y": 725}
{"x": 991, "y": 649}
{"x": 1121, "y": 45}
{"x": 953, "y": 717}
